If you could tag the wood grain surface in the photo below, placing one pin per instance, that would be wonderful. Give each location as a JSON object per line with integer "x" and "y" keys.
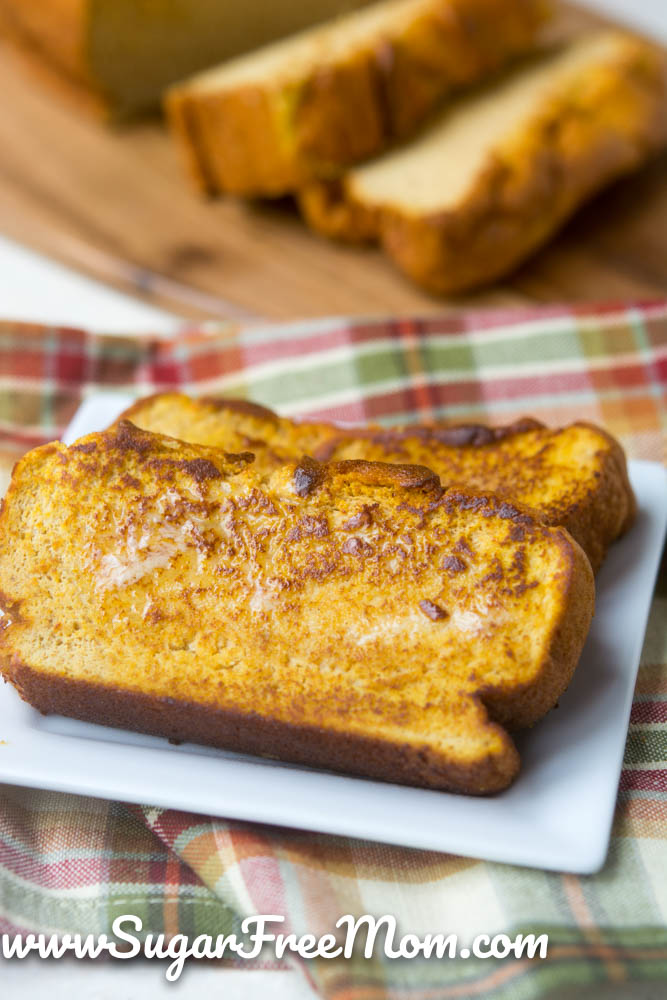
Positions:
{"x": 116, "y": 203}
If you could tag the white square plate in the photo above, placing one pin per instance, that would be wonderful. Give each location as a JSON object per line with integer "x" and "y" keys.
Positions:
{"x": 557, "y": 815}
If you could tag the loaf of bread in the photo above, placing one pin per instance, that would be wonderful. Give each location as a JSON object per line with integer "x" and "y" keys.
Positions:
{"x": 495, "y": 174}
{"x": 129, "y": 52}
{"x": 575, "y": 477}
{"x": 266, "y": 123}
{"x": 353, "y": 616}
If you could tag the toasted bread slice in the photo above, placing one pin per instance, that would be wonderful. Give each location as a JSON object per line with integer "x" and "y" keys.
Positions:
{"x": 353, "y": 616}
{"x": 268, "y": 122}
{"x": 234, "y": 425}
{"x": 575, "y": 476}
{"x": 497, "y": 173}
{"x": 127, "y": 52}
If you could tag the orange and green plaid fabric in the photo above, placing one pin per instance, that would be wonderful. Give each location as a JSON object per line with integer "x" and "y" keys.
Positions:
{"x": 69, "y": 864}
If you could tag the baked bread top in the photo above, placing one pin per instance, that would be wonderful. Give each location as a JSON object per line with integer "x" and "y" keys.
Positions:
{"x": 305, "y": 107}
{"x": 575, "y": 476}
{"x": 353, "y": 615}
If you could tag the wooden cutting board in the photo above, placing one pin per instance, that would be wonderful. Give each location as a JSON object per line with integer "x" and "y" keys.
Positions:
{"x": 116, "y": 204}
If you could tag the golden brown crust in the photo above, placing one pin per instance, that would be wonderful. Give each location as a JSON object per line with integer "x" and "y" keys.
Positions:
{"x": 595, "y": 517}
{"x": 330, "y": 210}
{"x": 594, "y": 500}
{"x": 523, "y": 707}
{"x": 452, "y": 435}
{"x": 219, "y": 403}
{"x": 254, "y": 734}
{"x": 181, "y": 594}
{"x": 581, "y": 141}
{"x": 609, "y": 508}
{"x": 310, "y": 474}
{"x": 271, "y": 138}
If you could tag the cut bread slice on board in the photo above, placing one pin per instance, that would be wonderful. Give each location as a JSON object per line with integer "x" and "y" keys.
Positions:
{"x": 128, "y": 52}
{"x": 353, "y": 616}
{"x": 268, "y": 122}
{"x": 495, "y": 174}
{"x": 574, "y": 476}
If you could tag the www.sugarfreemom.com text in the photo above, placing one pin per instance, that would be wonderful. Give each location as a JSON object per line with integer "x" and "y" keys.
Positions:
{"x": 354, "y": 935}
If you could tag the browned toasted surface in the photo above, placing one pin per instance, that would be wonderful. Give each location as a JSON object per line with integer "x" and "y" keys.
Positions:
{"x": 346, "y": 101}
{"x": 587, "y": 133}
{"x": 234, "y": 425}
{"x": 575, "y": 476}
{"x": 352, "y": 615}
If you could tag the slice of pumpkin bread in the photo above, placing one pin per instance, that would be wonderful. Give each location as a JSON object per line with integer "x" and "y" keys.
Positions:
{"x": 307, "y": 106}
{"x": 353, "y": 616}
{"x": 496, "y": 173}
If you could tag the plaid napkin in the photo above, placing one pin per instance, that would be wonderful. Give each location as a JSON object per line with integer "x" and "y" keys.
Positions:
{"x": 69, "y": 864}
